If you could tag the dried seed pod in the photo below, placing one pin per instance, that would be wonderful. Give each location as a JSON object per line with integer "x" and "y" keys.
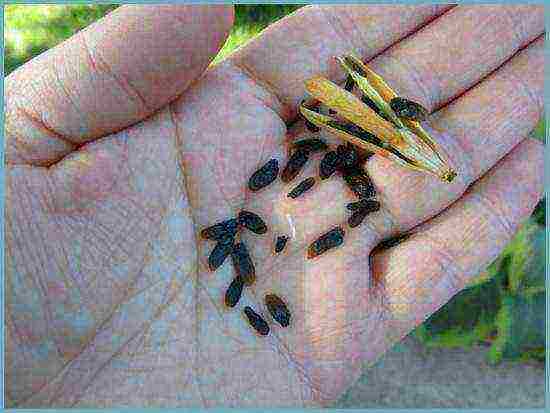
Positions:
{"x": 329, "y": 164}
{"x": 361, "y": 204}
{"x": 325, "y": 242}
{"x": 252, "y": 221}
{"x": 294, "y": 165}
{"x": 234, "y": 291}
{"x": 375, "y": 108}
{"x": 242, "y": 262}
{"x": 278, "y": 309}
{"x": 220, "y": 252}
{"x": 350, "y": 83}
{"x": 280, "y": 243}
{"x": 310, "y": 145}
{"x": 359, "y": 215}
{"x": 220, "y": 230}
{"x": 311, "y": 127}
{"x": 404, "y": 141}
{"x": 360, "y": 183}
{"x": 264, "y": 176}
{"x": 301, "y": 188}
{"x": 349, "y": 158}
{"x": 408, "y": 109}
{"x": 256, "y": 321}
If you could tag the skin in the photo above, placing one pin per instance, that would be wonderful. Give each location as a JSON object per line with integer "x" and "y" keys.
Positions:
{"x": 119, "y": 150}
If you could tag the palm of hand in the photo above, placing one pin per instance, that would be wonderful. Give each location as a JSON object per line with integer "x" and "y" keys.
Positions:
{"x": 139, "y": 319}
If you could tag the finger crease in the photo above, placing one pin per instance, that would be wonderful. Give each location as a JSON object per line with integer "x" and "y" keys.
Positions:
{"x": 266, "y": 86}
{"x": 99, "y": 64}
{"x": 41, "y": 124}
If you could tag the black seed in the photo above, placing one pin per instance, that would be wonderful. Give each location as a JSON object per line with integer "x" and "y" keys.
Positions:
{"x": 350, "y": 83}
{"x": 329, "y": 164}
{"x": 256, "y": 321}
{"x": 234, "y": 291}
{"x": 331, "y": 112}
{"x": 392, "y": 242}
{"x": 220, "y": 230}
{"x": 242, "y": 262}
{"x": 369, "y": 204}
{"x": 359, "y": 215}
{"x": 311, "y": 127}
{"x": 264, "y": 176}
{"x": 294, "y": 165}
{"x": 301, "y": 188}
{"x": 280, "y": 243}
{"x": 311, "y": 145}
{"x": 408, "y": 109}
{"x": 357, "y": 218}
{"x": 331, "y": 239}
{"x": 278, "y": 309}
{"x": 349, "y": 158}
{"x": 252, "y": 221}
{"x": 360, "y": 183}
{"x": 220, "y": 252}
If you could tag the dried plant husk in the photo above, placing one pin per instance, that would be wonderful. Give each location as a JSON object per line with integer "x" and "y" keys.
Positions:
{"x": 401, "y": 140}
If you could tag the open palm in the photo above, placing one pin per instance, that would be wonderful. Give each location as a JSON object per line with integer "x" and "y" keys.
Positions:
{"x": 109, "y": 181}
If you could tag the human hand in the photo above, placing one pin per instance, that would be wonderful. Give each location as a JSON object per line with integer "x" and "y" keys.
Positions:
{"x": 109, "y": 300}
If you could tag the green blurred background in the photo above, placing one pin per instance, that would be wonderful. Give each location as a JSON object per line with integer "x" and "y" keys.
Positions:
{"x": 503, "y": 308}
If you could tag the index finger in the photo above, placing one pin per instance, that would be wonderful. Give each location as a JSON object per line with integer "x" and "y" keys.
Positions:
{"x": 303, "y": 44}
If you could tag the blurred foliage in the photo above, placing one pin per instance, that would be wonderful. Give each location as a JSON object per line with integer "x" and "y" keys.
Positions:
{"x": 504, "y": 307}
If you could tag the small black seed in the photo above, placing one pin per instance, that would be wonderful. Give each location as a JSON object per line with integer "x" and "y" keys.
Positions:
{"x": 280, "y": 243}
{"x": 252, "y": 221}
{"x": 361, "y": 185}
{"x": 392, "y": 242}
{"x": 349, "y": 158}
{"x": 359, "y": 215}
{"x": 234, "y": 291}
{"x": 311, "y": 127}
{"x": 278, "y": 309}
{"x": 242, "y": 262}
{"x": 331, "y": 112}
{"x": 329, "y": 164}
{"x": 220, "y": 252}
{"x": 294, "y": 165}
{"x": 408, "y": 109}
{"x": 311, "y": 145}
{"x": 362, "y": 204}
{"x": 325, "y": 242}
{"x": 256, "y": 321}
{"x": 301, "y": 188}
{"x": 350, "y": 83}
{"x": 357, "y": 218}
{"x": 220, "y": 230}
{"x": 264, "y": 176}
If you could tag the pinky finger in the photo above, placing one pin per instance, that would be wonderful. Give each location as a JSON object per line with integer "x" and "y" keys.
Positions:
{"x": 424, "y": 272}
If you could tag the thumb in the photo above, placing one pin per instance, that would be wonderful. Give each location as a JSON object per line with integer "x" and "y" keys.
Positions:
{"x": 116, "y": 72}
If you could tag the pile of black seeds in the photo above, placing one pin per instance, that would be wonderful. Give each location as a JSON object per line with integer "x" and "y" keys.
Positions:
{"x": 225, "y": 233}
{"x": 347, "y": 161}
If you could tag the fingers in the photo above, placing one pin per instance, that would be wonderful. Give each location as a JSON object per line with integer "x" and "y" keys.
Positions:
{"x": 490, "y": 119}
{"x": 454, "y": 52}
{"x": 425, "y": 271}
{"x": 476, "y": 130}
{"x": 304, "y": 44}
{"x": 115, "y": 73}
